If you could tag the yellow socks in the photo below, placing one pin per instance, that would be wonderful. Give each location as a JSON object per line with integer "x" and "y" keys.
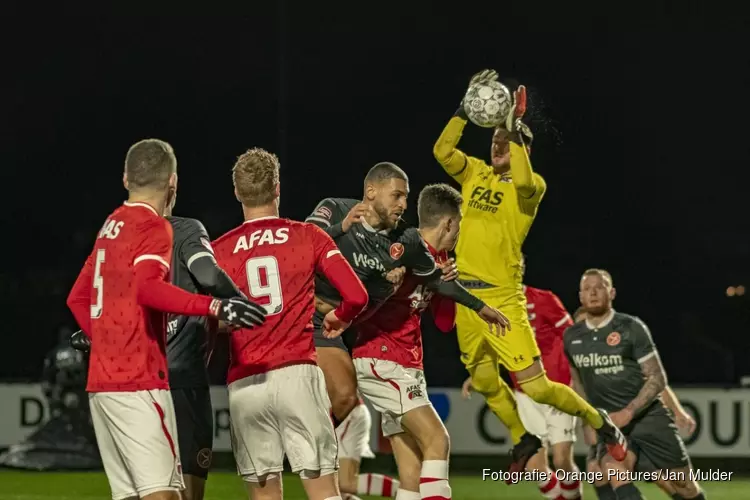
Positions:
{"x": 486, "y": 380}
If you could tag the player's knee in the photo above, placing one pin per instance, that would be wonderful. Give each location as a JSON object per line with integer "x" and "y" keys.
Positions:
{"x": 485, "y": 379}
{"x": 343, "y": 402}
{"x": 440, "y": 443}
{"x": 593, "y": 467}
{"x": 562, "y": 457}
{"x": 539, "y": 389}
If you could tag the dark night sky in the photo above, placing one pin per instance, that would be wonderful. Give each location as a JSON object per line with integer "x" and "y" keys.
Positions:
{"x": 647, "y": 177}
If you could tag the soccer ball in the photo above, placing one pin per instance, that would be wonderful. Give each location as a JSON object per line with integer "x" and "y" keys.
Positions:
{"x": 487, "y": 104}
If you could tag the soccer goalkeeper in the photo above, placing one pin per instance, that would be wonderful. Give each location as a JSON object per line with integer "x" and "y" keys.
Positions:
{"x": 500, "y": 204}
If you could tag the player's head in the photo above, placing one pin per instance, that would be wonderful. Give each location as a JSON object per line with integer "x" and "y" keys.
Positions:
{"x": 439, "y": 209}
{"x": 596, "y": 292}
{"x": 386, "y": 189}
{"x": 256, "y": 178}
{"x": 151, "y": 168}
{"x": 579, "y": 315}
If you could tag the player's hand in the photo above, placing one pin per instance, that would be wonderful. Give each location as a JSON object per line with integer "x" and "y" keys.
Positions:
{"x": 622, "y": 417}
{"x": 80, "y": 341}
{"x": 449, "y": 268}
{"x": 396, "y": 276}
{"x": 238, "y": 312}
{"x": 496, "y": 320}
{"x": 519, "y": 131}
{"x": 685, "y": 423}
{"x": 466, "y": 389}
{"x": 484, "y": 76}
{"x": 333, "y": 326}
{"x": 356, "y": 215}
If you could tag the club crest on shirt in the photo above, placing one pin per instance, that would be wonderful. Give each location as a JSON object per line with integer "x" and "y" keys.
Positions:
{"x": 207, "y": 244}
{"x": 613, "y": 338}
{"x": 396, "y": 251}
{"x": 324, "y": 212}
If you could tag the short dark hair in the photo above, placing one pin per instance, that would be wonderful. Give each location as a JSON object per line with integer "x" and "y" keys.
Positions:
{"x": 149, "y": 164}
{"x": 599, "y": 272}
{"x": 437, "y": 201}
{"x": 255, "y": 176}
{"x": 385, "y": 171}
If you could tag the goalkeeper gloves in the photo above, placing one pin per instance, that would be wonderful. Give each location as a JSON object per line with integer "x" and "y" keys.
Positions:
{"x": 484, "y": 76}
{"x": 238, "y": 312}
{"x": 520, "y": 133}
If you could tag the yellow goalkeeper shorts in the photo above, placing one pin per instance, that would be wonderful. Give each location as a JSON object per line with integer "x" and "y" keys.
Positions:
{"x": 516, "y": 350}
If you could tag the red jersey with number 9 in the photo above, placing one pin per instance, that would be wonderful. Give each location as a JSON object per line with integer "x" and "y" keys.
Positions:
{"x": 274, "y": 262}
{"x": 394, "y": 332}
{"x": 128, "y": 341}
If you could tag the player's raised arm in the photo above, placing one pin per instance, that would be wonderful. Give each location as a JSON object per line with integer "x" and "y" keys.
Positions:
{"x": 655, "y": 379}
{"x": 332, "y": 218}
{"x": 197, "y": 254}
{"x": 528, "y": 184}
{"x": 454, "y": 161}
{"x": 79, "y": 298}
{"x": 340, "y": 274}
{"x": 154, "y": 254}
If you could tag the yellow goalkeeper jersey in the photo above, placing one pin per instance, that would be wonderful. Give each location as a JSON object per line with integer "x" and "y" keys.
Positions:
{"x": 498, "y": 211}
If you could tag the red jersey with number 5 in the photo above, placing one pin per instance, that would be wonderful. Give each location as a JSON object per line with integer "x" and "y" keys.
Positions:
{"x": 394, "y": 332}
{"x": 274, "y": 261}
{"x": 549, "y": 319}
{"x": 127, "y": 340}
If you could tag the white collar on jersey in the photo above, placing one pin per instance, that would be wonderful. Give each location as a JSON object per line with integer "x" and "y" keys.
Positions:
{"x": 261, "y": 218}
{"x": 139, "y": 204}
{"x": 607, "y": 320}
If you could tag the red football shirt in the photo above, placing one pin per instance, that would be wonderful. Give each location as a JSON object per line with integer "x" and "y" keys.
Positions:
{"x": 549, "y": 320}
{"x": 394, "y": 331}
{"x": 127, "y": 340}
{"x": 274, "y": 261}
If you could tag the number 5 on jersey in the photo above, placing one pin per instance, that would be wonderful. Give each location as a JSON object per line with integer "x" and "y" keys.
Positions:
{"x": 264, "y": 282}
{"x": 98, "y": 285}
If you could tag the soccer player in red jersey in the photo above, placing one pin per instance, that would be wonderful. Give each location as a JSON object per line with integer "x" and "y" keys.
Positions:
{"x": 277, "y": 393}
{"x": 388, "y": 360}
{"x": 119, "y": 300}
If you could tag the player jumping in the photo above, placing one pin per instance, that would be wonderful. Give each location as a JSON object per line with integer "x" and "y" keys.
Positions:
{"x": 615, "y": 364}
{"x": 500, "y": 204}
{"x": 548, "y": 319}
{"x": 117, "y": 301}
{"x": 368, "y": 235}
{"x": 277, "y": 394}
{"x": 354, "y": 444}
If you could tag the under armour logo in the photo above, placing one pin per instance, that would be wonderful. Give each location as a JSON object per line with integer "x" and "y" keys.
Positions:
{"x": 230, "y": 313}
{"x": 518, "y": 358}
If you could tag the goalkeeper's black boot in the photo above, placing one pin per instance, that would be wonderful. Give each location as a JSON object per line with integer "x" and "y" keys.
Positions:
{"x": 80, "y": 342}
{"x": 526, "y": 448}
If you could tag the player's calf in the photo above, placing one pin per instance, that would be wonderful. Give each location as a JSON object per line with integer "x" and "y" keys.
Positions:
{"x": 432, "y": 437}
{"x": 685, "y": 487}
{"x": 562, "y": 458}
{"x": 379, "y": 485}
{"x": 604, "y": 490}
{"x": 341, "y": 381}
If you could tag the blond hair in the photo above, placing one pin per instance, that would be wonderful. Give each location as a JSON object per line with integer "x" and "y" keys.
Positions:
{"x": 603, "y": 274}
{"x": 255, "y": 176}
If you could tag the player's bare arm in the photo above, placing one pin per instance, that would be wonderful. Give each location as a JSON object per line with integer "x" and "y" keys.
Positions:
{"x": 684, "y": 421}
{"x": 655, "y": 380}
{"x": 589, "y": 434}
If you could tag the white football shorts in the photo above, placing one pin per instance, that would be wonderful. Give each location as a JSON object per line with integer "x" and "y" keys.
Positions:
{"x": 354, "y": 434}
{"x": 284, "y": 411}
{"x": 137, "y": 437}
{"x": 391, "y": 389}
{"x": 550, "y": 424}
